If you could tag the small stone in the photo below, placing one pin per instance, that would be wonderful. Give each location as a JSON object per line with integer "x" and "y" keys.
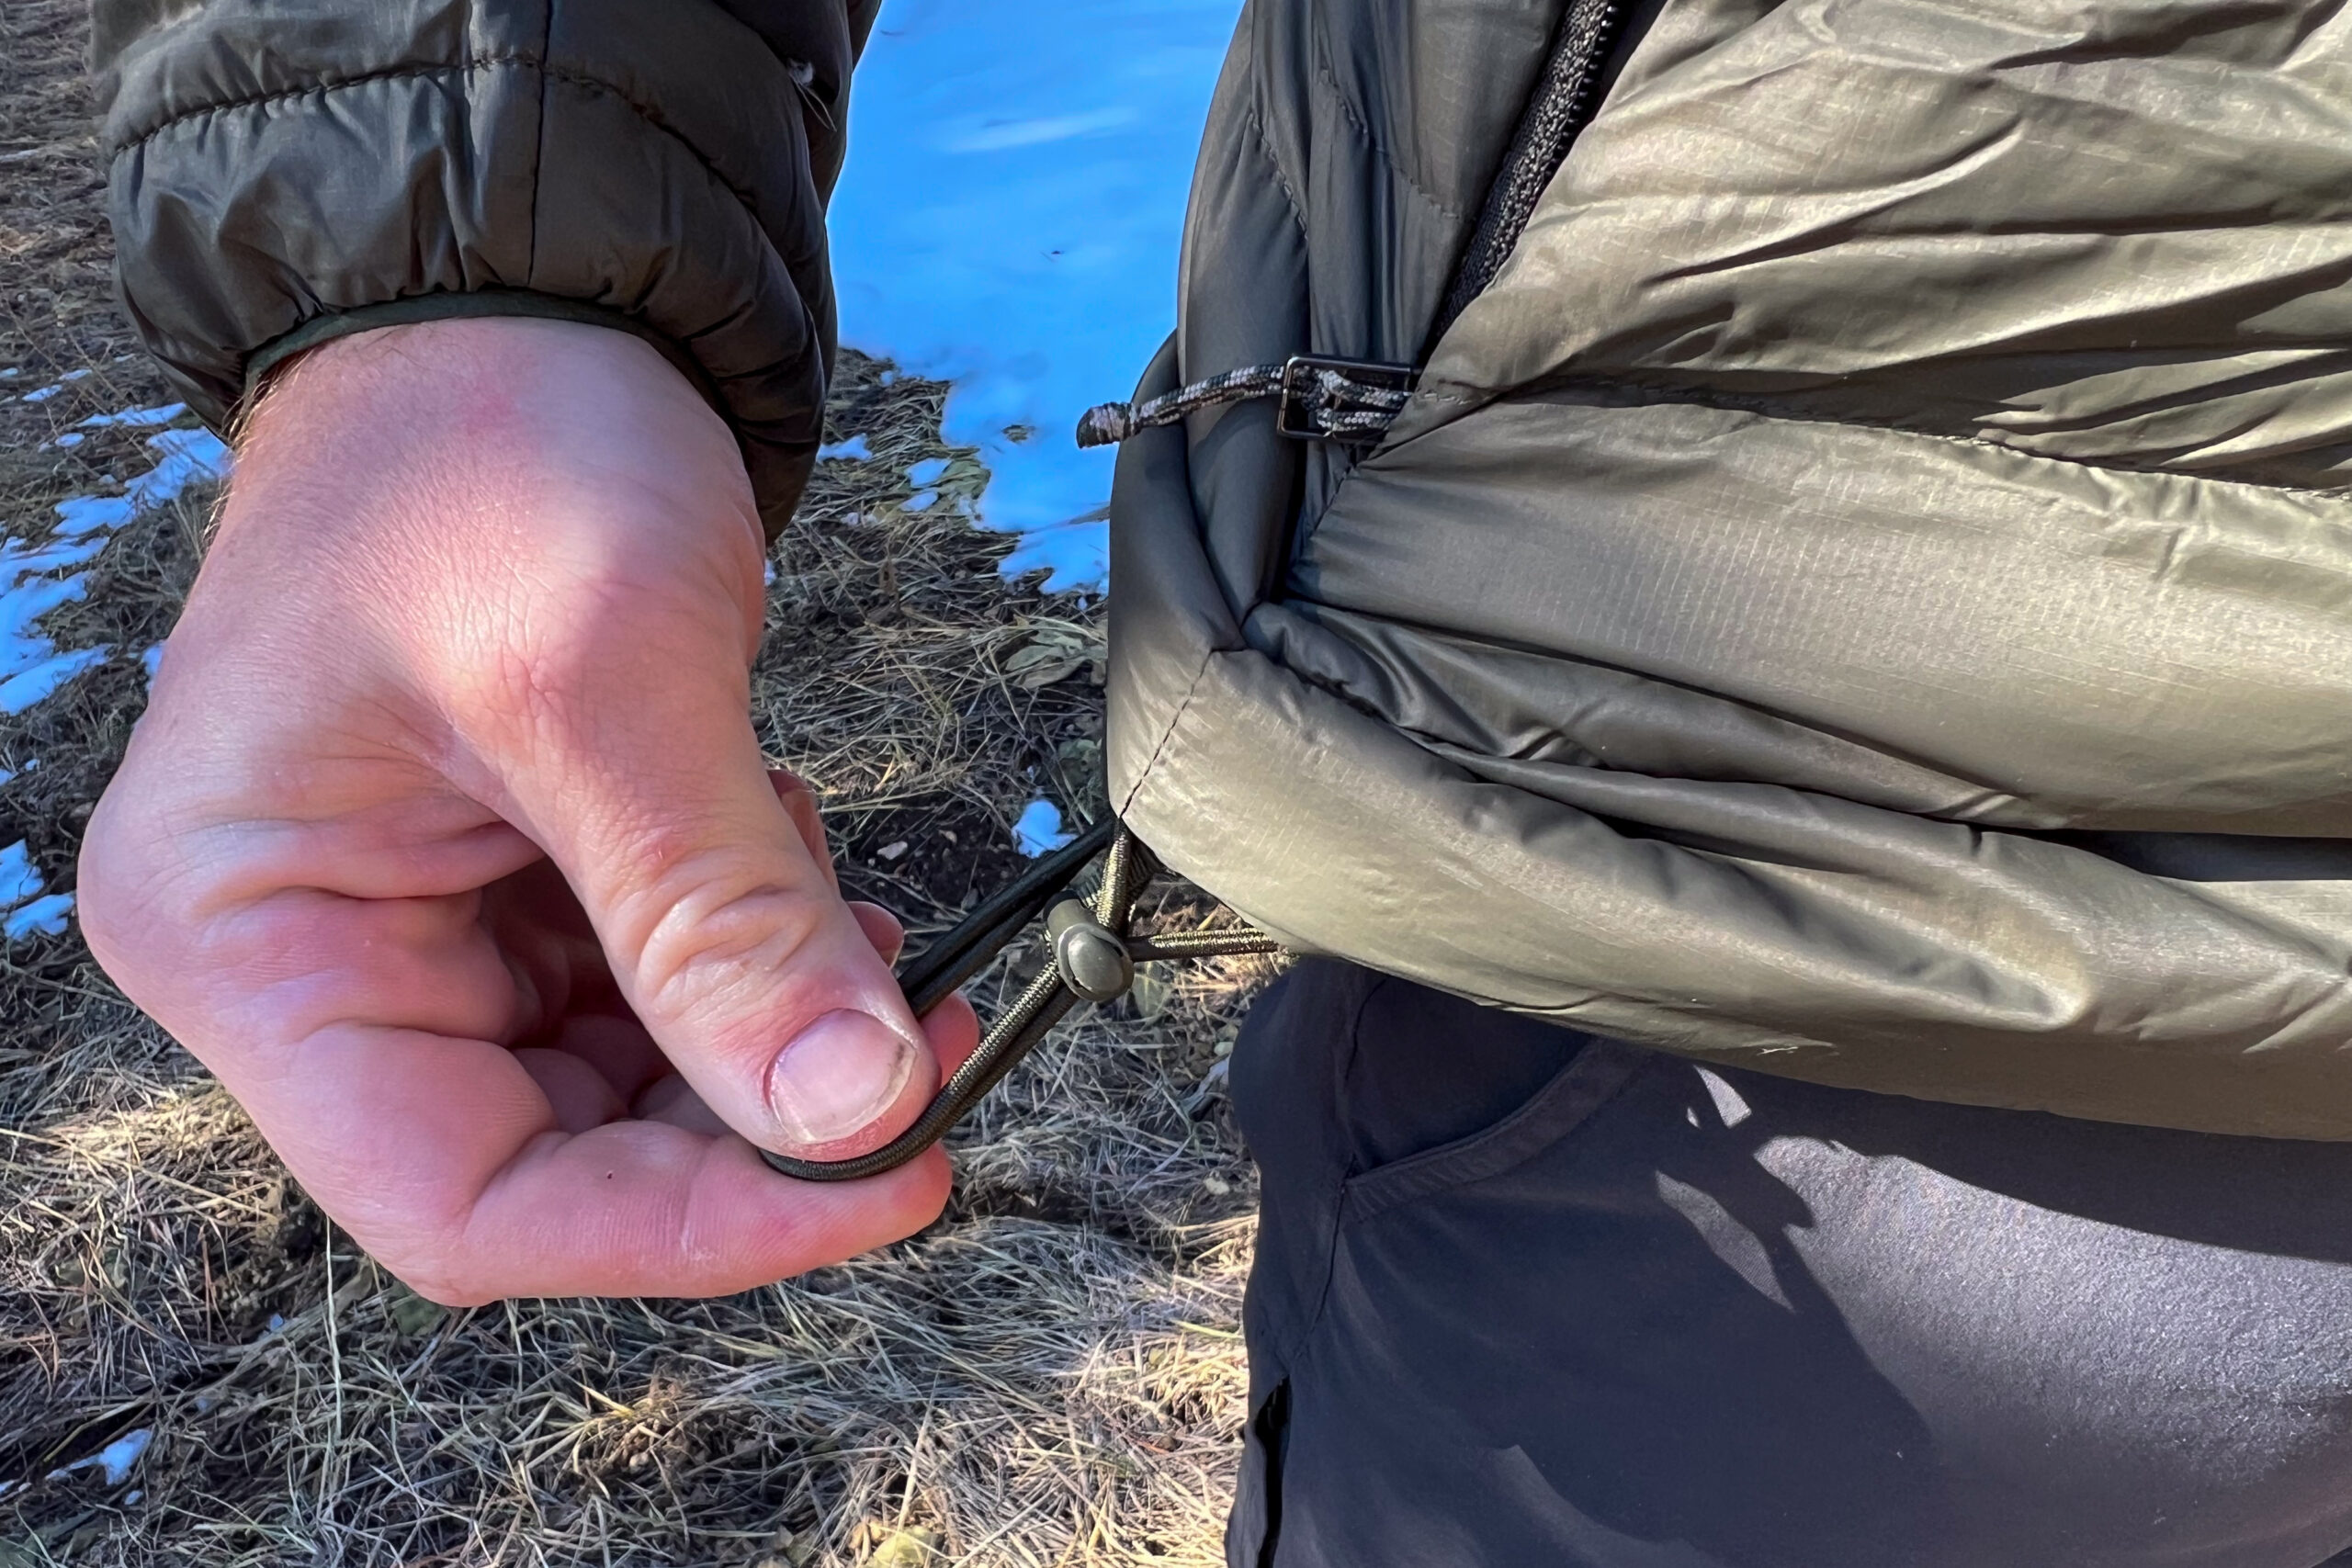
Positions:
{"x": 786, "y": 1550}
{"x": 1217, "y": 1185}
{"x": 891, "y": 851}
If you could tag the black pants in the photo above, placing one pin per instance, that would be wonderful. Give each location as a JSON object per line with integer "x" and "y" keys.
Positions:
{"x": 1526, "y": 1297}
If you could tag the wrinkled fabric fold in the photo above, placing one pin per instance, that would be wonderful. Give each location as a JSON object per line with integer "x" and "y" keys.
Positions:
{"x": 1865, "y": 595}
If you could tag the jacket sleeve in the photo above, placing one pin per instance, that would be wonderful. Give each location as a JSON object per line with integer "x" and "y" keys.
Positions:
{"x": 282, "y": 171}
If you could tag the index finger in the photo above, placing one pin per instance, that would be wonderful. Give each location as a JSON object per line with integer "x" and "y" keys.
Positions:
{"x": 442, "y": 1157}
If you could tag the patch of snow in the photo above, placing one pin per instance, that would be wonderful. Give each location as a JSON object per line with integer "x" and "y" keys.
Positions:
{"x": 921, "y": 501}
{"x": 29, "y": 907}
{"x": 125, "y": 1452}
{"x": 18, "y": 880}
{"x": 43, "y": 394}
{"x": 1029, "y": 257}
{"x": 186, "y": 457}
{"x": 277, "y": 1323}
{"x": 135, "y": 418}
{"x": 36, "y": 579}
{"x": 70, "y": 440}
{"x": 1039, "y": 829}
{"x": 32, "y": 667}
{"x": 115, "y": 1460}
{"x": 927, "y": 473}
{"x": 853, "y": 449}
{"x": 87, "y": 514}
{"x": 152, "y": 658}
{"x": 11, "y": 373}
{"x": 43, "y": 680}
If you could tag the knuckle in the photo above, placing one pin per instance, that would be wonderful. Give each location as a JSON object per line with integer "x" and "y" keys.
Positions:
{"x": 709, "y": 918}
{"x": 99, "y": 900}
{"x": 455, "y": 1291}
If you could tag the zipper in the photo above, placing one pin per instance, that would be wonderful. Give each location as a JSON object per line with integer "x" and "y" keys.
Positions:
{"x": 1351, "y": 402}
{"x": 1563, "y": 104}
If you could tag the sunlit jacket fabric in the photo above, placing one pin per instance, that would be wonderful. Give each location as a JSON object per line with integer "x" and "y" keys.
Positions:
{"x": 1867, "y": 594}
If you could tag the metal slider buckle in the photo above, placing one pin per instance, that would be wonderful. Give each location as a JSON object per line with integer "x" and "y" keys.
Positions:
{"x": 1302, "y": 395}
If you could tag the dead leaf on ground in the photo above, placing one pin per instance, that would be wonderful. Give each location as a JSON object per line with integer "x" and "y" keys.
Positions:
{"x": 1152, "y": 991}
{"x": 1054, "y": 651}
{"x": 906, "y": 1549}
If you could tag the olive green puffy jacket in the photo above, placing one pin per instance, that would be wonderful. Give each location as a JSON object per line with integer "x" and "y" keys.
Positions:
{"x": 1865, "y": 594}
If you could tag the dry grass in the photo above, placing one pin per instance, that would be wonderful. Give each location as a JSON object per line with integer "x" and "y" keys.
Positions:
{"x": 1049, "y": 1375}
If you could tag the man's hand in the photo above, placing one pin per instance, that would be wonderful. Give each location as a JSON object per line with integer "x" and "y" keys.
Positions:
{"x": 446, "y": 841}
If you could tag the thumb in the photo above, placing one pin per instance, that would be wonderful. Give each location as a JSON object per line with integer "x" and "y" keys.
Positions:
{"x": 719, "y": 915}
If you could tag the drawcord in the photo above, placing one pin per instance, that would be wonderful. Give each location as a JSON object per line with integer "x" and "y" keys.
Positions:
{"x": 1323, "y": 399}
{"x": 1093, "y": 961}
{"x": 1107, "y": 424}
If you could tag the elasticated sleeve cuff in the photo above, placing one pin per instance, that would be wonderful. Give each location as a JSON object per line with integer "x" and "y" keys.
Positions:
{"x": 284, "y": 171}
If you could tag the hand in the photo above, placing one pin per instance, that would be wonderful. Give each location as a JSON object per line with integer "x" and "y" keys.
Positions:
{"x": 446, "y": 844}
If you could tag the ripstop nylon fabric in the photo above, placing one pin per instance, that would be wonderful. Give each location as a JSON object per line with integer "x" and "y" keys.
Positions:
{"x": 1863, "y": 595}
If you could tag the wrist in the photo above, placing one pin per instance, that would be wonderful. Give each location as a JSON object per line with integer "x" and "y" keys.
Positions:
{"x": 511, "y": 425}
{"x": 464, "y": 531}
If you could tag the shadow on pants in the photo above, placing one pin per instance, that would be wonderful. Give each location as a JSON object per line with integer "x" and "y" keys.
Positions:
{"x": 1528, "y": 1297}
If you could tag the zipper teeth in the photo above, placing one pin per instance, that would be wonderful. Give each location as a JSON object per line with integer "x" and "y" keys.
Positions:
{"x": 1561, "y": 105}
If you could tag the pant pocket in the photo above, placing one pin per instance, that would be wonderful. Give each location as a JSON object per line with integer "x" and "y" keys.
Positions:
{"x": 1252, "y": 1529}
{"x": 1597, "y": 1072}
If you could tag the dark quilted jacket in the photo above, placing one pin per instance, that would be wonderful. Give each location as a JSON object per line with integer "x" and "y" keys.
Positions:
{"x": 282, "y": 171}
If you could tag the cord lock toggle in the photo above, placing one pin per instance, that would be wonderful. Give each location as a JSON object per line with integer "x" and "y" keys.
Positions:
{"x": 1091, "y": 961}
